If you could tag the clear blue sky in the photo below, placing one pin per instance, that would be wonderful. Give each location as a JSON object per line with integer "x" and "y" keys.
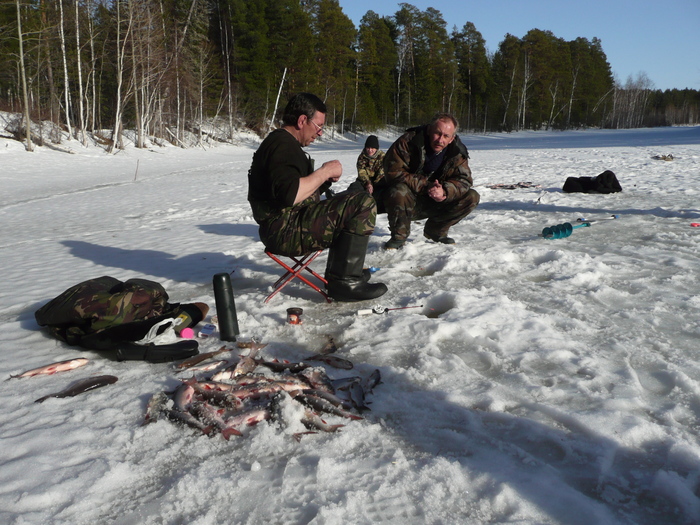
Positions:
{"x": 658, "y": 37}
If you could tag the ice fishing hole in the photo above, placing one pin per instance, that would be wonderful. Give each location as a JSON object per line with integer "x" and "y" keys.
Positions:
{"x": 430, "y": 269}
{"x": 437, "y": 306}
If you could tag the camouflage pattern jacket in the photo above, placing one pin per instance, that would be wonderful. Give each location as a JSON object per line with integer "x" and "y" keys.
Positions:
{"x": 406, "y": 157}
{"x": 370, "y": 170}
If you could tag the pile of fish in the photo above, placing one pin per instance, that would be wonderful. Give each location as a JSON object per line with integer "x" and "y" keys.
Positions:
{"x": 228, "y": 396}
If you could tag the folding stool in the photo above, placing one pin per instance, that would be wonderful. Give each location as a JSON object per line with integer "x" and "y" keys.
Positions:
{"x": 301, "y": 263}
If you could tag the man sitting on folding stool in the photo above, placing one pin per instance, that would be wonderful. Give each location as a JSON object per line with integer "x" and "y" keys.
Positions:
{"x": 284, "y": 192}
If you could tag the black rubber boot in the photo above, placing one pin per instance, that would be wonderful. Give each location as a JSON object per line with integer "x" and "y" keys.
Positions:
{"x": 344, "y": 273}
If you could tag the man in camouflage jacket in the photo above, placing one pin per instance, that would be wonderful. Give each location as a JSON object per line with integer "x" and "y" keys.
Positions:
{"x": 284, "y": 191}
{"x": 429, "y": 178}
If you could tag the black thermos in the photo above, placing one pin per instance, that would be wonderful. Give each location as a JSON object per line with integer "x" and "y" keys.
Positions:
{"x": 225, "y": 307}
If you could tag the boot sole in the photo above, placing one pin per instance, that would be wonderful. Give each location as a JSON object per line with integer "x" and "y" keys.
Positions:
{"x": 340, "y": 297}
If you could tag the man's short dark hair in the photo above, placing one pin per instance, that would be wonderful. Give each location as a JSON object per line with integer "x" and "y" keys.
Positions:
{"x": 445, "y": 116}
{"x": 302, "y": 104}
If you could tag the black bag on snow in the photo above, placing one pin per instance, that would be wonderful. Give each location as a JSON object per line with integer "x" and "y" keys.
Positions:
{"x": 606, "y": 182}
{"x": 106, "y": 314}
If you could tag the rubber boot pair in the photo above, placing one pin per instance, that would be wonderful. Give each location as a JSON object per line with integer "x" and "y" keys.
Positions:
{"x": 344, "y": 272}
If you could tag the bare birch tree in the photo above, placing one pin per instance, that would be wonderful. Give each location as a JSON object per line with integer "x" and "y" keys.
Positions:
{"x": 66, "y": 83}
{"x": 25, "y": 96}
{"x": 81, "y": 106}
{"x": 92, "y": 80}
{"x": 524, "y": 90}
{"x": 54, "y": 102}
{"x": 574, "y": 79}
{"x": 277, "y": 100}
{"x": 121, "y": 53}
{"x": 553, "y": 111}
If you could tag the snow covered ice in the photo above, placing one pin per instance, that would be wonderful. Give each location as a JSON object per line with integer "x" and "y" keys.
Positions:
{"x": 543, "y": 381}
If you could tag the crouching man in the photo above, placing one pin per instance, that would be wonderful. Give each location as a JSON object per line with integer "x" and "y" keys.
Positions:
{"x": 284, "y": 193}
{"x": 429, "y": 178}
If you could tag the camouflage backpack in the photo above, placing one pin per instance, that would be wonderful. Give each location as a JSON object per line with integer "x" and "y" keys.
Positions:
{"x": 100, "y": 313}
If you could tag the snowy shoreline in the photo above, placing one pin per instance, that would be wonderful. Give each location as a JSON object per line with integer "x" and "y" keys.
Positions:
{"x": 543, "y": 381}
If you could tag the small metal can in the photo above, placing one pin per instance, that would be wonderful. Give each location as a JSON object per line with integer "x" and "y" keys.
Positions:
{"x": 294, "y": 315}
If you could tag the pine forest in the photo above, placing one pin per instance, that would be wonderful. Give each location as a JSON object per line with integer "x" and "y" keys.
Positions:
{"x": 185, "y": 71}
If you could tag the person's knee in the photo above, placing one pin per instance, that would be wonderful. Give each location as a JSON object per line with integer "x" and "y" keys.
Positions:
{"x": 397, "y": 189}
{"x": 363, "y": 202}
{"x": 400, "y": 195}
{"x": 467, "y": 204}
{"x": 473, "y": 198}
{"x": 360, "y": 214}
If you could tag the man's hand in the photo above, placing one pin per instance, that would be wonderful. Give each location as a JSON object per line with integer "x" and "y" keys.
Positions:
{"x": 329, "y": 171}
{"x": 332, "y": 170}
{"x": 369, "y": 188}
{"x": 437, "y": 192}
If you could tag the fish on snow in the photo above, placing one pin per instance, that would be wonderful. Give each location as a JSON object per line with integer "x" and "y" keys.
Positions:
{"x": 85, "y": 385}
{"x": 61, "y": 366}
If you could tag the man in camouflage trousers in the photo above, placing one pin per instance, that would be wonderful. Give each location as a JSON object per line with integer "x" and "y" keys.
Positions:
{"x": 284, "y": 192}
{"x": 429, "y": 178}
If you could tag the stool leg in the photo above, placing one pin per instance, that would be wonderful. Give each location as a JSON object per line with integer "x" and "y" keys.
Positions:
{"x": 295, "y": 270}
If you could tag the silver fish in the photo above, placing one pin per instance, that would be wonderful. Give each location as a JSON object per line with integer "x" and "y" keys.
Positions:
{"x": 207, "y": 367}
{"x": 249, "y": 418}
{"x": 156, "y": 407}
{"x": 322, "y": 405}
{"x": 192, "y": 361}
{"x": 279, "y": 366}
{"x": 328, "y": 397}
{"x": 190, "y": 420}
{"x": 251, "y": 344}
{"x": 329, "y": 348}
{"x": 207, "y": 386}
{"x": 373, "y": 380}
{"x": 51, "y": 369}
{"x": 247, "y": 363}
{"x": 81, "y": 386}
{"x": 249, "y": 379}
{"x": 344, "y": 382}
{"x": 318, "y": 379}
{"x": 212, "y": 416}
{"x": 183, "y": 396}
{"x": 314, "y": 421}
{"x": 263, "y": 389}
{"x": 357, "y": 397}
{"x": 226, "y": 374}
{"x": 332, "y": 360}
{"x": 221, "y": 397}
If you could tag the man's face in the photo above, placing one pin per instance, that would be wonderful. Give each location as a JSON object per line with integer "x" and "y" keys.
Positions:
{"x": 441, "y": 135}
{"x": 370, "y": 151}
{"x": 312, "y": 128}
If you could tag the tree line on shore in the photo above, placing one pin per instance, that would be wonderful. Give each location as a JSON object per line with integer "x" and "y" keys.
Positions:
{"x": 186, "y": 71}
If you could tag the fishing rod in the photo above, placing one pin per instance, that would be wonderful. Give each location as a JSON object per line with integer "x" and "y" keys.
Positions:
{"x": 382, "y": 309}
{"x": 581, "y": 219}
